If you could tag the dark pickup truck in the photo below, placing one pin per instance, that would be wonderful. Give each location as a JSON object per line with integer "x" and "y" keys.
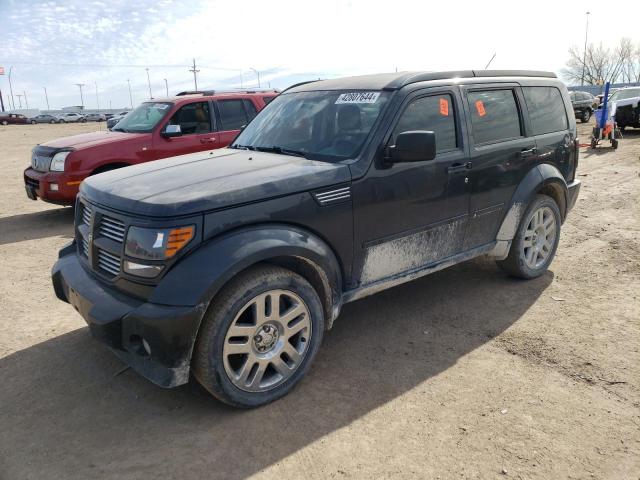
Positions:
{"x": 228, "y": 265}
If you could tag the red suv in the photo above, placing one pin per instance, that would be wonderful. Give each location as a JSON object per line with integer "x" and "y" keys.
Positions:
{"x": 187, "y": 123}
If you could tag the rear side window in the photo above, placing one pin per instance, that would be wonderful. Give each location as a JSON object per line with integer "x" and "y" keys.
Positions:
{"x": 494, "y": 115}
{"x": 250, "y": 109}
{"x": 546, "y": 109}
{"x": 434, "y": 114}
{"x": 232, "y": 114}
{"x": 267, "y": 100}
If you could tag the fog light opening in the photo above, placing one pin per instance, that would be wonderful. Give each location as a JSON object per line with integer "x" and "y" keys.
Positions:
{"x": 139, "y": 345}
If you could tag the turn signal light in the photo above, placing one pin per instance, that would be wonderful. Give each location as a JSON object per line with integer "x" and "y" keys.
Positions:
{"x": 178, "y": 238}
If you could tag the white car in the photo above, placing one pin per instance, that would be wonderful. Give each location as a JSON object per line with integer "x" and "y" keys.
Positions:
{"x": 71, "y": 118}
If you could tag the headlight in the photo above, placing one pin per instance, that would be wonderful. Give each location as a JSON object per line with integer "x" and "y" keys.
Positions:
{"x": 57, "y": 162}
{"x": 157, "y": 244}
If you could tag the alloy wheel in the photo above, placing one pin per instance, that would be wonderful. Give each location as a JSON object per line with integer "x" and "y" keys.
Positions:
{"x": 539, "y": 237}
{"x": 267, "y": 341}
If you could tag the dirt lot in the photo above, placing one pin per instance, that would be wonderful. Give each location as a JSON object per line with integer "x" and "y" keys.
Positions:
{"x": 463, "y": 374}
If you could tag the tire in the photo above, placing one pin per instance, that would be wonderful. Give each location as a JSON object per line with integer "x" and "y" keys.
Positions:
{"x": 523, "y": 260}
{"x": 52, "y": 121}
{"x": 614, "y": 143}
{"x": 84, "y": 120}
{"x": 33, "y": 122}
{"x": 4, "y": 122}
{"x": 585, "y": 116}
{"x": 267, "y": 343}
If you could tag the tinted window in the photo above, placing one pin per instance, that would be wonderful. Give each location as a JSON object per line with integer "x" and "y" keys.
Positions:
{"x": 232, "y": 114}
{"x": 192, "y": 118}
{"x": 250, "y": 109}
{"x": 267, "y": 100}
{"x": 432, "y": 114}
{"x": 494, "y": 115}
{"x": 546, "y": 109}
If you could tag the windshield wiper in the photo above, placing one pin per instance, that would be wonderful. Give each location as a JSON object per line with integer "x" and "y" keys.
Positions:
{"x": 242, "y": 147}
{"x": 114, "y": 129}
{"x": 282, "y": 151}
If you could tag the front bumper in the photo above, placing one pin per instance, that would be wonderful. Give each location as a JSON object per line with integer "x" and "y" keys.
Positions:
{"x": 122, "y": 322}
{"x": 573, "y": 189}
{"x": 40, "y": 184}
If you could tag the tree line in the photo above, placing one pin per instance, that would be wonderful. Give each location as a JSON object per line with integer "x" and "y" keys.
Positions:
{"x": 600, "y": 64}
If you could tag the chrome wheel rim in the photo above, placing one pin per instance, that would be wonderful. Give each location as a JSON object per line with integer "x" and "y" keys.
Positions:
{"x": 267, "y": 341}
{"x": 539, "y": 237}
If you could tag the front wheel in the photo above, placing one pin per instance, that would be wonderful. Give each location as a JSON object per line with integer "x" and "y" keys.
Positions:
{"x": 586, "y": 115}
{"x": 52, "y": 121}
{"x": 258, "y": 337}
{"x": 4, "y": 122}
{"x": 33, "y": 122}
{"x": 536, "y": 240}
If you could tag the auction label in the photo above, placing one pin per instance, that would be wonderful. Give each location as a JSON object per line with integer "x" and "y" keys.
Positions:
{"x": 358, "y": 97}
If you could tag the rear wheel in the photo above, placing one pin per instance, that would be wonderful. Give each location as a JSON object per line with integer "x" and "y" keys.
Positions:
{"x": 259, "y": 337}
{"x": 52, "y": 121}
{"x": 536, "y": 240}
{"x": 33, "y": 122}
{"x": 586, "y": 115}
{"x": 4, "y": 122}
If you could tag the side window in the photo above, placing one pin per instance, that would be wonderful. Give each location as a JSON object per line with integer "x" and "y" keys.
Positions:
{"x": 193, "y": 118}
{"x": 434, "y": 113}
{"x": 494, "y": 115}
{"x": 267, "y": 100}
{"x": 250, "y": 109}
{"x": 232, "y": 114}
{"x": 546, "y": 109}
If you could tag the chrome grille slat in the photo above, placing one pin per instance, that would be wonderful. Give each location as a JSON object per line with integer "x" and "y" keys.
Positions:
{"x": 330, "y": 196}
{"x": 85, "y": 247}
{"x": 108, "y": 262}
{"x": 112, "y": 228}
{"x": 86, "y": 214}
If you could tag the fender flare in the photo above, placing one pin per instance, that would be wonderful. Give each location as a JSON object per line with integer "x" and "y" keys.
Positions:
{"x": 543, "y": 177}
{"x": 198, "y": 277}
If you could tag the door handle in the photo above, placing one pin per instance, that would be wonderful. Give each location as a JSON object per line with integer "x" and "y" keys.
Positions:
{"x": 459, "y": 167}
{"x": 527, "y": 152}
{"x": 208, "y": 140}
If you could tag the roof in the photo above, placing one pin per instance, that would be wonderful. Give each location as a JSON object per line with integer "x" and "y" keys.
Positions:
{"x": 189, "y": 94}
{"x": 397, "y": 80}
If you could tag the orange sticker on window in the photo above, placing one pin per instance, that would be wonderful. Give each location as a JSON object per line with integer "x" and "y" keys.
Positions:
{"x": 480, "y": 108}
{"x": 444, "y": 107}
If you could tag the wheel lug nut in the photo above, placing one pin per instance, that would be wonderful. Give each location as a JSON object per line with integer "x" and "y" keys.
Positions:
{"x": 257, "y": 338}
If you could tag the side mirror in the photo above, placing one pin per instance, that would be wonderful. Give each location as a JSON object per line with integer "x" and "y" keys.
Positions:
{"x": 172, "y": 131}
{"x": 415, "y": 146}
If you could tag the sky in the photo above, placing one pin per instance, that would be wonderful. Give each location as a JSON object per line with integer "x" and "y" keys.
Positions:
{"x": 57, "y": 44}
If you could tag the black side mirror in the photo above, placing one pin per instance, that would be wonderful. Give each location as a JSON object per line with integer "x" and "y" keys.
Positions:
{"x": 172, "y": 131}
{"x": 415, "y": 146}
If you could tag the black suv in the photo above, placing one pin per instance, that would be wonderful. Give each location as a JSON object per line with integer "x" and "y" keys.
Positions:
{"x": 583, "y": 105}
{"x": 230, "y": 264}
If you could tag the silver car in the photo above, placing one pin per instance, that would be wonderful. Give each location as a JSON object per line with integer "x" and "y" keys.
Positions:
{"x": 71, "y": 118}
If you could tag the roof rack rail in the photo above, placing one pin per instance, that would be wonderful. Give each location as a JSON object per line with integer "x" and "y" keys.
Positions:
{"x": 208, "y": 93}
{"x": 426, "y": 76}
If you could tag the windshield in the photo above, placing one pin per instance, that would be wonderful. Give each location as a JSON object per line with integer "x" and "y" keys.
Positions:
{"x": 624, "y": 94}
{"x": 321, "y": 125}
{"x": 143, "y": 119}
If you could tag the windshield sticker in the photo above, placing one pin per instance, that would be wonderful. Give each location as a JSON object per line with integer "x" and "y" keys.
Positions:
{"x": 160, "y": 106}
{"x": 358, "y": 97}
{"x": 444, "y": 107}
{"x": 480, "y": 108}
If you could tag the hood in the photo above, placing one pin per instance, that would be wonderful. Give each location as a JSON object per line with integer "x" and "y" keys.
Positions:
{"x": 91, "y": 139}
{"x": 204, "y": 181}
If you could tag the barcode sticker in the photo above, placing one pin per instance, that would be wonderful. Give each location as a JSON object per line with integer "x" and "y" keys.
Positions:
{"x": 358, "y": 97}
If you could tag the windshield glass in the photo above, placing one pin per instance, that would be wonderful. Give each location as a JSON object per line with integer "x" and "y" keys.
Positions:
{"x": 143, "y": 118}
{"x": 321, "y": 125}
{"x": 624, "y": 94}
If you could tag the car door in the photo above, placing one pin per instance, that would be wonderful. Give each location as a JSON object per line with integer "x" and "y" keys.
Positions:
{"x": 232, "y": 116}
{"x": 500, "y": 153}
{"x": 198, "y": 134}
{"x": 410, "y": 215}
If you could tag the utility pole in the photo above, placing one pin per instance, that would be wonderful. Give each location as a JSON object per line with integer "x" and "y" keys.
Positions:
{"x": 257, "y": 74}
{"x": 25, "y": 99}
{"x": 195, "y": 76}
{"x": 1, "y": 102}
{"x": 46, "y": 97}
{"x": 97, "y": 98}
{"x": 149, "y": 82}
{"x": 240, "y": 79}
{"x": 13, "y": 102}
{"x": 80, "y": 85}
{"x": 130, "y": 97}
{"x": 166, "y": 85}
{"x": 19, "y": 100}
{"x": 584, "y": 56}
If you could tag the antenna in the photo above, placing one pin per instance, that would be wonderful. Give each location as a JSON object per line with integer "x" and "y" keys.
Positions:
{"x": 494, "y": 56}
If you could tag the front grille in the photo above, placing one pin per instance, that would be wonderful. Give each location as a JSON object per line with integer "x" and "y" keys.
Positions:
{"x": 85, "y": 247}
{"x": 112, "y": 228}
{"x": 108, "y": 262}
{"x": 86, "y": 214}
{"x": 32, "y": 183}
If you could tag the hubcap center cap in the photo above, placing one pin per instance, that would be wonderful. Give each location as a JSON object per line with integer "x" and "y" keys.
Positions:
{"x": 266, "y": 338}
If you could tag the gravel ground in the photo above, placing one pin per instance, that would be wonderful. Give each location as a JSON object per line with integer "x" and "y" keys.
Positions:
{"x": 462, "y": 374}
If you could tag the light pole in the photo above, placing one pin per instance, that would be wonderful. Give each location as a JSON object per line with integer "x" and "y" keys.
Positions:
{"x": 166, "y": 85}
{"x": 13, "y": 102}
{"x": 97, "y": 98}
{"x": 130, "y": 97}
{"x": 584, "y": 55}
{"x": 25, "y": 99}
{"x": 195, "y": 74}
{"x": 149, "y": 82}
{"x": 46, "y": 97}
{"x": 80, "y": 85}
{"x": 257, "y": 74}
{"x": 19, "y": 100}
